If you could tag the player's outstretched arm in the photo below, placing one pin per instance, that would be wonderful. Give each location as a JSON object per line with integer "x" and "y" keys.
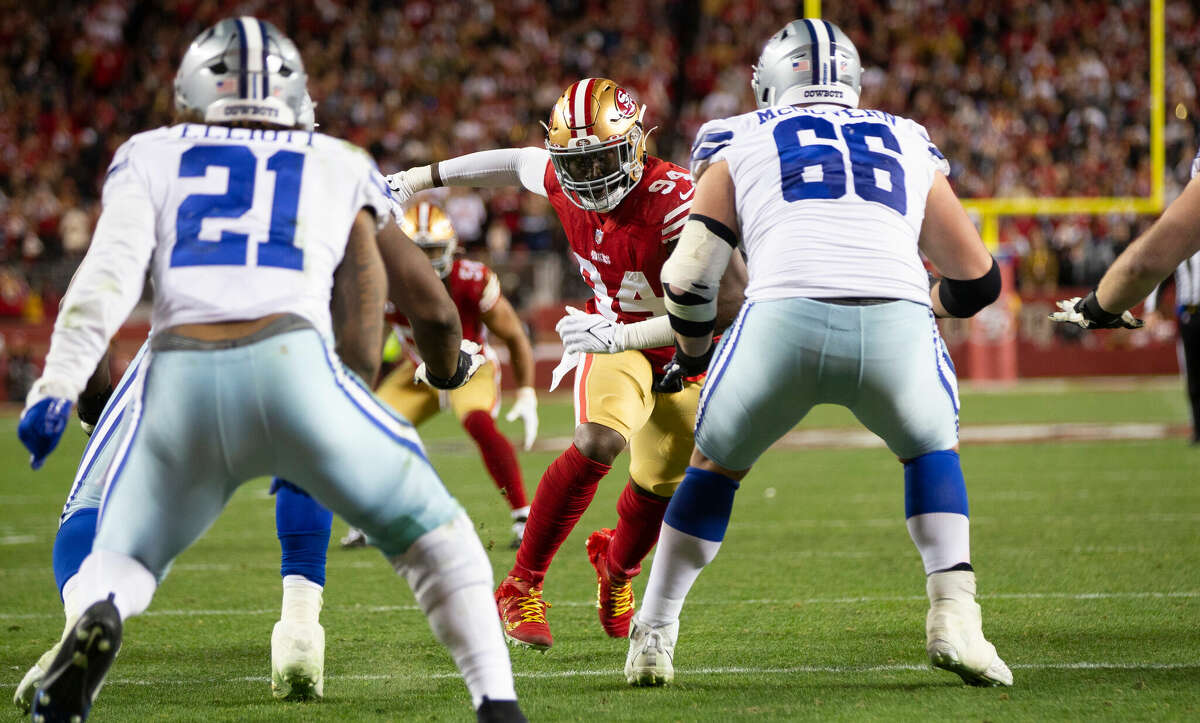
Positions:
{"x": 524, "y": 167}
{"x": 1154, "y": 255}
{"x": 970, "y": 277}
{"x": 359, "y": 293}
{"x": 418, "y": 292}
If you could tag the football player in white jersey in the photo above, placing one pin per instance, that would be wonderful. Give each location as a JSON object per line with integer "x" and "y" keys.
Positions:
{"x": 833, "y": 206}
{"x": 302, "y": 524}
{"x": 261, "y": 240}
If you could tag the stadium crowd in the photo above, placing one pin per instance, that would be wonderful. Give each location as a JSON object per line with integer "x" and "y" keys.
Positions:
{"x": 1050, "y": 98}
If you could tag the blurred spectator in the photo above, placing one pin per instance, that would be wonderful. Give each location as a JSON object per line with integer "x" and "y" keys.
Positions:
{"x": 1030, "y": 97}
{"x": 20, "y": 371}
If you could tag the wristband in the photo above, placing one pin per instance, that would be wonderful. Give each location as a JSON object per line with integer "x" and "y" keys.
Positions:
{"x": 694, "y": 365}
{"x": 455, "y": 380}
{"x": 1092, "y": 311}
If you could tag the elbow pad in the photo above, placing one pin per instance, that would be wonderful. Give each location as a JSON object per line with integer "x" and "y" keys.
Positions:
{"x": 696, "y": 267}
{"x": 966, "y": 298}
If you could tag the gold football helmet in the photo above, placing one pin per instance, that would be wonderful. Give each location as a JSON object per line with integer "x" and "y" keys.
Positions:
{"x": 429, "y": 226}
{"x": 597, "y": 143}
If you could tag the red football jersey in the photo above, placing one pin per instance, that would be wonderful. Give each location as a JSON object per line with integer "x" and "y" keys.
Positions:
{"x": 620, "y": 253}
{"x": 474, "y": 289}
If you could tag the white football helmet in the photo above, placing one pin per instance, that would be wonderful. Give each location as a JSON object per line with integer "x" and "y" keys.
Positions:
{"x": 808, "y": 61}
{"x": 242, "y": 69}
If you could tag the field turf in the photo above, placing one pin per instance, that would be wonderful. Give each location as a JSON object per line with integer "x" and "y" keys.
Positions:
{"x": 1088, "y": 556}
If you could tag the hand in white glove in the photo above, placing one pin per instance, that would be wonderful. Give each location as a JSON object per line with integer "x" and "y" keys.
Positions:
{"x": 405, "y": 183}
{"x": 591, "y": 333}
{"x": 525, "y": 409}
{"x": 469, "y": 361}
{"x": 1086, "y": 312}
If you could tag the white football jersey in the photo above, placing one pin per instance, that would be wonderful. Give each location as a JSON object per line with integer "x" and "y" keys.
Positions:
{"x": 246, "y": 223}
{"x": 830, "y": 200}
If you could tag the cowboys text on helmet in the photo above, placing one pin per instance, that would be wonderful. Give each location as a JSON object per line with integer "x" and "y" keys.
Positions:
{"x": 808, "y": 61}
{"x": 242, "y": 69}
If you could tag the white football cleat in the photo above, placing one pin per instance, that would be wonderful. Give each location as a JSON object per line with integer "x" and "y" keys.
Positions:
{"x": 954, "y": 631}
{"x": 23, "y": 698}
{"x": 297, "y": 661}
{"x": 651, "y": 653}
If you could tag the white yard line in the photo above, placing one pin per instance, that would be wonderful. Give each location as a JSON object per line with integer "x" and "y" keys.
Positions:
{"x": 858, "y": 438}
{"x": 615, "y": 672}
{"x": 1187, "y": 594}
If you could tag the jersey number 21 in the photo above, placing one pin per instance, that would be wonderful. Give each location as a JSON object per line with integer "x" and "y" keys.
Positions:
{"x": 230, "y": 249}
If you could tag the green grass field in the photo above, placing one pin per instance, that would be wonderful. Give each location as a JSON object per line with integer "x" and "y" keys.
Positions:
{"x": 1088, "y": 556}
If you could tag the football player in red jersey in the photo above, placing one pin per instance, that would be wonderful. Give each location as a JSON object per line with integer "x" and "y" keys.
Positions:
{"x": 622, "y": 211}
{"x": 482, "y": 309}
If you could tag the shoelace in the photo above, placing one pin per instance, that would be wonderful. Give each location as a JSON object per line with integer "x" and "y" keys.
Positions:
{"x": 532, "y": 607}
{"x": 620, "y": 597}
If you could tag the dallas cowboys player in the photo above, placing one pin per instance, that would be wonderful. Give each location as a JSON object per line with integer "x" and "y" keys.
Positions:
{"x": 831, "y": 205}
{"x": 251, "y": 230}
{"x": 302, "y": 525}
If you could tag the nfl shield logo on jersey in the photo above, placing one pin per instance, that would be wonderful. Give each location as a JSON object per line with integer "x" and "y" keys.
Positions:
{"x": 599, "y": 236}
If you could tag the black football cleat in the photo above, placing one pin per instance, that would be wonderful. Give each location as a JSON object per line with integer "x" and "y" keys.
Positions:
{"x": 75, "y": 676}
{"x": 499, "y": 711}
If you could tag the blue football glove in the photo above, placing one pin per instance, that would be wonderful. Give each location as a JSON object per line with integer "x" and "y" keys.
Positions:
{"x": 42, "y": 426}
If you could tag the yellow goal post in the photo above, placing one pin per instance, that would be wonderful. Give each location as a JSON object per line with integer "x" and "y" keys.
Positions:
{"x": 990, "y": 210}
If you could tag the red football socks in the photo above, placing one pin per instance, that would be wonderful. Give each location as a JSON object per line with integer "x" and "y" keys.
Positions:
{"x": 566, "y": 490}
{"x": 640, "y": 515}
{"x": 498, "y": 456}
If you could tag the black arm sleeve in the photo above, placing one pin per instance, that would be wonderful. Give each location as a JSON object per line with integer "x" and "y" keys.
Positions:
{"x": 966, "y": 298}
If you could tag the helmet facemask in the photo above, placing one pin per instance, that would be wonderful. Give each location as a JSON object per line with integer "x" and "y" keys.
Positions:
{"x": 596, "y": 177}
{"x": 597, "y": 143}
{"x": 440, "y": 254}
{"x": 430, "y": 227}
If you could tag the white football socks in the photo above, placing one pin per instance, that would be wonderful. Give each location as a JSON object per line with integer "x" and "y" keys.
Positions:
{"x": 105, "y": 572}
{"x": 942, "y": 538}
{"x": 451, "y": 577}
{"x": 678, "y": 560}
{"x": 301, "y": 600}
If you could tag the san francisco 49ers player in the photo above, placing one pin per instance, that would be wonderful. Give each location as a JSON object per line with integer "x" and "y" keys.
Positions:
{"x": 482, "y": 309}
{"x": 622, "y": 211}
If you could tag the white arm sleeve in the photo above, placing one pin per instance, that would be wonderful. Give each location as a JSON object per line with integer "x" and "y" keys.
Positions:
{"x": 648, "y": 334}
{"x": 106, "y": 286}
{"x": 505, "y": 167}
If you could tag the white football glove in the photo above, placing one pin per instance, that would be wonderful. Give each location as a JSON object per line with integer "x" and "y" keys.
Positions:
{"x": 590, "y": 333}
{"x": 1074, "y": 311}
{"x": 525, "y": 409}
{"x": 470, "y": 350}
{"x": 413, "y": 180}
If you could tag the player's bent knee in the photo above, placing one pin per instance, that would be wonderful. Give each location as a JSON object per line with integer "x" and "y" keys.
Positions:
{"x": 443, "y": 560}
{"x": 934, "y": 482}
{"x": 598, "y": 443}
{"x": 700, "y": 461}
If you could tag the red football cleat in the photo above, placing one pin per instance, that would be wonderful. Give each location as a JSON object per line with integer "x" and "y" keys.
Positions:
{"x": 523, "y": 613}
{"x": 614, "y": 593}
